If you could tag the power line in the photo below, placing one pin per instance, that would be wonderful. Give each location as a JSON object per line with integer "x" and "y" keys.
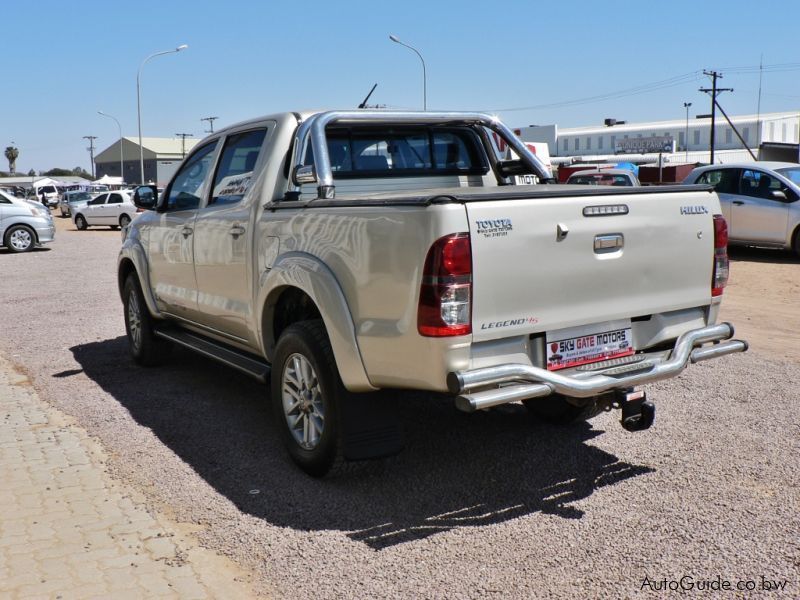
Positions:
{"x": 641, "y": 89}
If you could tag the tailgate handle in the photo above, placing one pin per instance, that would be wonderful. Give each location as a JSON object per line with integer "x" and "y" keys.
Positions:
{"x": 609, "y": 242}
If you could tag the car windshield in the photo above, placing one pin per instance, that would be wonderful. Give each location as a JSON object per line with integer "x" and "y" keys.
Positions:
{"x": 80, "y": 196}
{"x": 791, "y": 173}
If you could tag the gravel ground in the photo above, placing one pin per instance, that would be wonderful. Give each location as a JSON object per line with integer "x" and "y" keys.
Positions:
{"x": 491, "y": 505}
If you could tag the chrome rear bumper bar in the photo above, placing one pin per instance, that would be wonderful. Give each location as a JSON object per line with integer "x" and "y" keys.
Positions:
{"x": 516, "y": 381}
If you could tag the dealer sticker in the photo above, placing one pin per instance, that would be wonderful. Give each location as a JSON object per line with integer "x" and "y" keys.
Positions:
{"x": 583, "y": 345}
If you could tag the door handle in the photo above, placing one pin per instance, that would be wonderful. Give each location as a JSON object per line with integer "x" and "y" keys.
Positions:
{"x": 186, "y": 232}
{"x": 237, "y": 230}
{"x": 738, "y": 202}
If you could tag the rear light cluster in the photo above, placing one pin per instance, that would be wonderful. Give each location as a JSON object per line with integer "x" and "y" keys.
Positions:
{"x": 445, "y": 298}
{"x": 720, "y": 277}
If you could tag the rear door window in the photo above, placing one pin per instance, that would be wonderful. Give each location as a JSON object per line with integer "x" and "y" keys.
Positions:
{"x": 236, "y": 165}
{"x": 725, "y": 181}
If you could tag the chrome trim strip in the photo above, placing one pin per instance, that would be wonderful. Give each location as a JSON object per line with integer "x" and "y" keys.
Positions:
{"x": 530, "y": 379}
{"x": 313, "y": 131}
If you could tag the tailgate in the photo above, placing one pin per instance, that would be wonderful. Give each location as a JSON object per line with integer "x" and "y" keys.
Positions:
{"x": 549, "y": 263}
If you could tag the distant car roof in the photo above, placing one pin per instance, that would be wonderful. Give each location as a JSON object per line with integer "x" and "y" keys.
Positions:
{"x": 763, "y": 164}
{"x": 603, "y": 172}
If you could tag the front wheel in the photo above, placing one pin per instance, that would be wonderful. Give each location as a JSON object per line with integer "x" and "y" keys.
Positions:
{"x": 307, "y": 394}
{"x": 19, "y": 238}
{"x": 146, "y": 349}
{"x": 796, "y": 242}
{"x": 80, "y": 222}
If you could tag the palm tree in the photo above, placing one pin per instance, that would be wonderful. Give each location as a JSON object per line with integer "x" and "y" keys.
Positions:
{"x": 11, "y": 155}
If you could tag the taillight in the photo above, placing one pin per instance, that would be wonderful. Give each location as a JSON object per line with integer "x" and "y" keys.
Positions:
{"x": 445, "y": 298}
{"x": 720, "y": 278}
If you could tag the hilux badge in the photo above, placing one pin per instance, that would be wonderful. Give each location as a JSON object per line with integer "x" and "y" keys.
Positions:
{"x": 694, "y": 210}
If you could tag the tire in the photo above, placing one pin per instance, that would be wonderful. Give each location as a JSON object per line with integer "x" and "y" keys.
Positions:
{"x": 146, "y": 349}
{"x": 80, "y": 222}
{"x": 560, "y": 410}
{"x": 796, "y": 242}
{"x": 307, "y": 396}
{"x": 124, "y": 220}
{"x": 20, "y": 238}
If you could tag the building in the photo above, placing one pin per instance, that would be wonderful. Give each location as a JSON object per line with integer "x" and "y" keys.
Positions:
{"x": 771, "y": 136}
{"x": 161, "y": 158}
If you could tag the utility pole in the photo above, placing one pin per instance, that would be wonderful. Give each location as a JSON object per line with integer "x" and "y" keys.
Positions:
{"x": 91, "y": 139}
{"x": 210, "y": 123}
{"x": 183, "y": 137}
{"x": 714, "y": 91}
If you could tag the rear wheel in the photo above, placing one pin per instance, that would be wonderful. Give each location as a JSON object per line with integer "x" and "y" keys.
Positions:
{"x": 146, "y": 349}
{"x": 563, "y": 410}
{"x": 80, "y": 222}
{"x": 19, "y": 238}
{"x": 307, "y": 394}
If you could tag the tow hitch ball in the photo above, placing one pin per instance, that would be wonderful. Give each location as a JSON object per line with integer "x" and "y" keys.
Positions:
{"x": 637, "y": 413}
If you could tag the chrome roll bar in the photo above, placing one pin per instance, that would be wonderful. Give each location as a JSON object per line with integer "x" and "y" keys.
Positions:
{"x": 313, "y": 131}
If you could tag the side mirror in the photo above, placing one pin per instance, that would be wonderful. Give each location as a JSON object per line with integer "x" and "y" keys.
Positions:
{"x": 146, "y": 197}
{"x": 304, "y": 174}
{"x": 779, "y": 195}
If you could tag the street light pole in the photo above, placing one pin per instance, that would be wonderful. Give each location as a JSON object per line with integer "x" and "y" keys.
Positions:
{"x": 396, "y": 40}
{"x": 139, "y": 104}
{"x": 119, "y": 127}
{"x": 686, "y": 105}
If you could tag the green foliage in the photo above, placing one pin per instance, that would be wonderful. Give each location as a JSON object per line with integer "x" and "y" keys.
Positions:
{"x": 58, "y": 172}
{"x": 31, "y": 173}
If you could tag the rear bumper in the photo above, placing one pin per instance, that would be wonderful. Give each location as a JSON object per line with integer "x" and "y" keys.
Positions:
{"x": 491, "y": 386}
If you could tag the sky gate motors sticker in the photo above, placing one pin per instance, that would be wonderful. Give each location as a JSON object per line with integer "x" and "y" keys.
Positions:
{"x": 585, "y": 349}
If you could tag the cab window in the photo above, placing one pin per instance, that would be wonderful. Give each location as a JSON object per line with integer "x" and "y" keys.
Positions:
{"x": 186, "y": 190}
{"x": 235, "y": 171}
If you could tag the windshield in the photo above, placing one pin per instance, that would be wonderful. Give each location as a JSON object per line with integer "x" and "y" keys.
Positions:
{"x": 791, "y": 173}
{"x": 80, "y": 197}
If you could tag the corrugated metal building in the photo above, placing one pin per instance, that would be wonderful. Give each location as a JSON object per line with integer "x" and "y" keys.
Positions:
{"x": 161, "y": 158}
{"x": 601, "y": 143}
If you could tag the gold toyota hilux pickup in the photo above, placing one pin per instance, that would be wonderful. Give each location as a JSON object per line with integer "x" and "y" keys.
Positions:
{"x": 342, "y": 253}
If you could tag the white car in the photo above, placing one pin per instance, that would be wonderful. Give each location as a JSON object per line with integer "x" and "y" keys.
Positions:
{"x": 115, "y": 209}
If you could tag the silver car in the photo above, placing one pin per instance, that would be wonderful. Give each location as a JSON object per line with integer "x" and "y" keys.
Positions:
{"x": 759, "y": 201}
{"x": 72, "y": 200}
{"x": 23, "y": 224}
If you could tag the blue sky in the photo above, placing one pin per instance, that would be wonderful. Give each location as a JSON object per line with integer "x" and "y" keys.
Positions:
{"x": 65, "y": 61}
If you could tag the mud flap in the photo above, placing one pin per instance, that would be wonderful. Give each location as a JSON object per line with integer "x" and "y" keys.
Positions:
{"x": 371, "y": 426}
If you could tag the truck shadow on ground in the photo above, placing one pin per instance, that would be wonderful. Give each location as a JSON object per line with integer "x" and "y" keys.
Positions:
{"x": 457, "y": 470}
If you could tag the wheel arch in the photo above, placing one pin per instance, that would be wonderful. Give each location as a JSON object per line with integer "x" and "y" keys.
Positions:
{"x": 300, "y": 287}
{"x": 132, "y": 261}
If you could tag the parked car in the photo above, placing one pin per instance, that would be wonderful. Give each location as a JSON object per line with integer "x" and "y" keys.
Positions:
{"x": 48, "y": 194}
{"x": 759, "y": 201}
{"x": 621, "y": 177}
{"x": 73, "y": 200}
{"x": 24, "y": 224}
{"x": 115, "y": 209}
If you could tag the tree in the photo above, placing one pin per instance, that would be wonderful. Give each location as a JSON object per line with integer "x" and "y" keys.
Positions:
{"x": 31, "y": 173}
{"x": 11, "y": 155}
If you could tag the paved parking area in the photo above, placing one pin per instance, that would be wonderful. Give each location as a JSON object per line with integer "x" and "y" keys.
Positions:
{"x": 68, "y": 530}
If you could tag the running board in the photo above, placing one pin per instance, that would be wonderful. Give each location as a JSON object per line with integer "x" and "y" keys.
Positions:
{"x": 225, "y": 354}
